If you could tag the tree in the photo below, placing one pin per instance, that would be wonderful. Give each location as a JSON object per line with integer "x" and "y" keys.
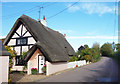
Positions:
{"x": 86, "y": 46}
{"x": 118, "y": 46}
{"x": 96, "y": 46}
{"x": 106, "y": 49}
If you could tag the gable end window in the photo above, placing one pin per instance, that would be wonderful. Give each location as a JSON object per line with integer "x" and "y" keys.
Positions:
{"x": 21, "y": 41}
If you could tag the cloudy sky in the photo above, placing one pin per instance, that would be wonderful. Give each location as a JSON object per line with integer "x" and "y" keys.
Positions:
{"x": 82, "y": 22}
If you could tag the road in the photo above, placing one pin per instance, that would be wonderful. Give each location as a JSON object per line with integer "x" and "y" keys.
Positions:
{"x": 105, "y": 70}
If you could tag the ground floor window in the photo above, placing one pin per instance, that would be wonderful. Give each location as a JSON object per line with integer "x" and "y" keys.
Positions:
{"x": 19, "y": 60}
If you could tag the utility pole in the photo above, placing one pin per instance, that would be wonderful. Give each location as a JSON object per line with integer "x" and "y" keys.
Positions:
{"x": 39, "y": 11}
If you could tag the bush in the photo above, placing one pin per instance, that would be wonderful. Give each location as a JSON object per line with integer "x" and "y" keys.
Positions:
{"x": 44, "y": 68}
{"x": 73, "y": 58}
{"x": 106, "y": 49}
{"x": 34, "y": 70}
{"x": 87, "y": 58}
{"x": 89, "y": 54}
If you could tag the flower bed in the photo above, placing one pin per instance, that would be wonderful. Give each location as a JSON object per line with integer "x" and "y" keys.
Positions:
{"x": 34, "y": 70}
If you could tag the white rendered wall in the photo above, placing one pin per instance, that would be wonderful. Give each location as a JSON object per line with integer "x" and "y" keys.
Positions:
{"x": 12, "y": 42}
{"x": 33, "y": 62}
{"x": 73, "y": 64}
{"x": 24, "y": 48}
{"x": 31, "y": 40}
{"x": 19, "y": 30}
{"x": 55, "y": 67}
{"x": 17, "y": 49}
{"x": 4, "y": 68}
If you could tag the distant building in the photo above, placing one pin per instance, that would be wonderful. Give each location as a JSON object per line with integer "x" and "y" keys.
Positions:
{"x": 81, "y": 48}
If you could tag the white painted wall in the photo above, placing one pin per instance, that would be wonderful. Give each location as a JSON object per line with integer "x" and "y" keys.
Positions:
{"x": 4, "y": 68}
{"x": 27, "y": 34}
{"x": 33, "y": 62}
{"x": 24, "y": 48}
{"x": 17, "y": 49}
{"x": 31, "y": 40}
{"x": 55, "y": 67}
{"x": 24, "y": 30}
{"x": 12, "y": 42}
{"x": 59, "y": 66}
{"x": 73, "y": 64}
{"x": 15, "y": 35}
{"x": 19, "y": 30}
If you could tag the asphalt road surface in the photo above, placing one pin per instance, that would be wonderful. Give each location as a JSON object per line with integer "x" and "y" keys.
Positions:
{"x": 105, "y": 70}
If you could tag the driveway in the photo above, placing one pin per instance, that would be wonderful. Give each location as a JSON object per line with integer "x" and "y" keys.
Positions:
{"x": 106, "y": 70}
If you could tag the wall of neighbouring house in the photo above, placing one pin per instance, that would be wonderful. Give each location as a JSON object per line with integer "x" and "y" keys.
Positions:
{"x": 55, "y": 67}
{"x": 4, "y": 68}
{"x": 33, "y": 62}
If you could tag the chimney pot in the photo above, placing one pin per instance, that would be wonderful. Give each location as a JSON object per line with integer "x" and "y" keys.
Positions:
{"x": 43, "y": 17}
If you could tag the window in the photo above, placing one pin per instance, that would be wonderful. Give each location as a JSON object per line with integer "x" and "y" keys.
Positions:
{"x": 21, "y": 41}
{"x": 19, "y": 60}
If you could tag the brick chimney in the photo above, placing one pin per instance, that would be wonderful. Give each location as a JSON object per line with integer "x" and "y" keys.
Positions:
{"x": 43, "y": 21}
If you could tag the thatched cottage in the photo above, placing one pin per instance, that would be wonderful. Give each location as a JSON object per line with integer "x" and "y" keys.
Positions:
{"x": 42, "y": 44}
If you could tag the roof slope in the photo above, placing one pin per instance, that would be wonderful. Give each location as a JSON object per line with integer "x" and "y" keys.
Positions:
{"x": 50, "y": 42}
{"x": 3, "y": 51}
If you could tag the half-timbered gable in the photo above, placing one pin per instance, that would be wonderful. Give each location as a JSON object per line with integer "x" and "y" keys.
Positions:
{"x": 20, "y": 40}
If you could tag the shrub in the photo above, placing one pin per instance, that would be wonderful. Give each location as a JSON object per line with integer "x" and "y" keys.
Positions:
{"x": 44, "y": 68}
{"x": 106, "y": 49}
{"x": 73, "y": 58}
{"x": 34, "y": 70}
{"x": 89, "y": 54}
{"x": 87, "y": 58}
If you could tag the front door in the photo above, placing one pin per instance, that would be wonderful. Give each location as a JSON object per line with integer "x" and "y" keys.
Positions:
{"x": 41, "y": 63}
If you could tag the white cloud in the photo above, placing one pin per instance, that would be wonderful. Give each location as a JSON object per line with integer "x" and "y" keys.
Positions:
{"x": 97, "y": 8}
{"x": 65, "y": 31}
{"x": 92, "y": 37}
{"x": 73, "y": 8}
{"x": 92, "y": 33}
{"x": 92, "y": 8}
{"x": 2, "y": 37}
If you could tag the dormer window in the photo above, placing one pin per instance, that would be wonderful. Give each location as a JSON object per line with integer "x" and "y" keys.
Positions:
{"x": 21, "y": 41}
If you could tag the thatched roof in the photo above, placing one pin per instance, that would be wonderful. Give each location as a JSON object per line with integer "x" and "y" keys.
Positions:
{"x": 3, "y": 51}
{"x": 53, "y": 44}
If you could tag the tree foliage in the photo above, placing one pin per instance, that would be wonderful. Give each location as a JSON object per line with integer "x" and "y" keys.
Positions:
{"x": 117, "y": 46}
{"x": 73, "y": 58}
{"x": 86, "y": 46}
{"x": 106, "y": 49}
{"x": 89, "y": 54}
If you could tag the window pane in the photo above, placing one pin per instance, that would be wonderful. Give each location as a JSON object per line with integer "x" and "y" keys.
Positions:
{"x": 18, "y": 41}
{"x": 22, "y": 41}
